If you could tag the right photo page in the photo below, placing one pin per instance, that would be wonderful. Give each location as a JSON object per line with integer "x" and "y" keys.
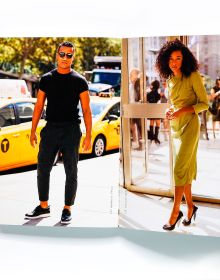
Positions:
{"x": 170, "y": 134}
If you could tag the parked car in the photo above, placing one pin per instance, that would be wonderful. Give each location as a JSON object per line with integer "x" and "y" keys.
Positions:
{"x": 102, "y": 90}
{"x": 15, "y": 126}
{"x": 110, "y": 77}
{"x": 105, "y": 125}
{"x": 107, "y": 72}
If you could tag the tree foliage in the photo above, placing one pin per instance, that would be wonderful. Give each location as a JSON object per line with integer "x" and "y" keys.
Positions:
{"x": 37, "y": 55}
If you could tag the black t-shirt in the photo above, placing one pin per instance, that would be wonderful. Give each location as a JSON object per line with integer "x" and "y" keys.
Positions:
{"x": 62, "y": 92}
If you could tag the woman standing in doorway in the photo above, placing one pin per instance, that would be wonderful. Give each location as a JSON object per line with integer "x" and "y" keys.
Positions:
{"x": 215, "y": 110}
{"x": 188, "y": 97}
{"x": 153, "y": 97}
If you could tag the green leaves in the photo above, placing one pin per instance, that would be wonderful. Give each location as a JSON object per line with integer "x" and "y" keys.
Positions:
{"x": 38, "y": 55}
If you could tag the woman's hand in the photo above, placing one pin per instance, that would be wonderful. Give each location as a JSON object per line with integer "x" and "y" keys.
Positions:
{"x": 172, "y": 114}
{"x": 169, "y": 112}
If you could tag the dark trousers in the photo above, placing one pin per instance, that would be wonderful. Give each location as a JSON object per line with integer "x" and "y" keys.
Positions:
{"x": 64, "y": 137}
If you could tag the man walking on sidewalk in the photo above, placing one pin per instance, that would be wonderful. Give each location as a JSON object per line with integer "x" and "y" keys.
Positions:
{"x": 63, "y": 88}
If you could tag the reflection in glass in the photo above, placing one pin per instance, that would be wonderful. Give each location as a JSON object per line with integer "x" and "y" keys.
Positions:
{"x": 136, "y": 95}
{"x": 205, "y": 48}
{"x": 157, "y": 176}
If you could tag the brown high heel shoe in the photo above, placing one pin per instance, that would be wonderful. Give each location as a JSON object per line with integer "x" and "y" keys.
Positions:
{"x": 172, "y": 227}
{"x": 187, "y": 222}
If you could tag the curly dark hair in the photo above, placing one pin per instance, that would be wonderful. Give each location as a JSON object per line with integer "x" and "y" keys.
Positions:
{"x": 189, "y": 64}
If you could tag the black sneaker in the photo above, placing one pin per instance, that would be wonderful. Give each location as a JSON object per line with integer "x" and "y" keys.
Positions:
{"x": 66, "y": 216}
{"x": 38, "y": 212}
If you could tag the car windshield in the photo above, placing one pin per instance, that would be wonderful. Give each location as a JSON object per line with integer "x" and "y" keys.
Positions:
{"x": 97, "y": 108}
{"x": 106, "y": 78}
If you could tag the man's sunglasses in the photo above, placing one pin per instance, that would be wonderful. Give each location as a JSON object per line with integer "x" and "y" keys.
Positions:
{"x": 63, "y": 54}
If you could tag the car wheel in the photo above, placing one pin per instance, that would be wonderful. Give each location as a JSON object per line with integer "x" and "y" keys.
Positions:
{"x": 99, "y": 146}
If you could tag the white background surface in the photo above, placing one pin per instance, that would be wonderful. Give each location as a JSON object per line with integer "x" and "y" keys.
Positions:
{"x": 50, "y": 253}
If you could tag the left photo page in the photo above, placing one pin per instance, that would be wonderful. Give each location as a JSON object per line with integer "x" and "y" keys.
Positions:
{"x": 59, "y": 131}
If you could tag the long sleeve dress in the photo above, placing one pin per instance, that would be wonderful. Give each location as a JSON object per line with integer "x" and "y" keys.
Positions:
{"x": 184, "y": 92}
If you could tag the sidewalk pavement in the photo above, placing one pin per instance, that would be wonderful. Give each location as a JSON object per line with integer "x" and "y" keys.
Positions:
{"x": 97, "y": 197}
{"x": 149, "y": 212}
{"x": 96, "y": 202}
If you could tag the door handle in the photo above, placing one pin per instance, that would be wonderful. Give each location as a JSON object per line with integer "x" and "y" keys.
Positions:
{"x": 16, "y": 135}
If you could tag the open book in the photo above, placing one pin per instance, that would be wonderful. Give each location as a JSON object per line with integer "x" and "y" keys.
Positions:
{"x": 129, "y": 180}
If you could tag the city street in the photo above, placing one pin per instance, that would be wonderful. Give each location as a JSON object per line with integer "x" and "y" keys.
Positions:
{"x": 96, "y": 203}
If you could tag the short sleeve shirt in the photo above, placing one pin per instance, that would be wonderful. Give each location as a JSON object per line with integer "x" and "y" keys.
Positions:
{"x": 63, "y": 93}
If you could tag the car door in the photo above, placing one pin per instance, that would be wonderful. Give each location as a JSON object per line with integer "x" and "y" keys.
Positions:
{"x": 25, "y": 112}
{"x": 113, "y": 127}
{"x": 9, "y": 138}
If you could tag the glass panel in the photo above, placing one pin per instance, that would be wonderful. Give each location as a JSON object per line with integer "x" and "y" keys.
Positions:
{"x": 158, "y": 146}
{"x": 206, "y": 50}
{"x": 105, "y": 78}
{"x": 137, "y": 129}
{"x": 25, "y": 111}
{"x": 7, "y": 116}
{"x": 152, "y": 46}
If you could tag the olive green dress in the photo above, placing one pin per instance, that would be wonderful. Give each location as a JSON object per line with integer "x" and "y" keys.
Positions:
{"x": 184, "y": 92}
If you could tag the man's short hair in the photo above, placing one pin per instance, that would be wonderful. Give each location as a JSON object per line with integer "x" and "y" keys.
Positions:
{"x": 66, "y": 44}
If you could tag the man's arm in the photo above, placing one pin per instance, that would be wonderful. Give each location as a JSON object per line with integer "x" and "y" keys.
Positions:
{"x": 38, "y": 108}
{"x": 85, "y": 104}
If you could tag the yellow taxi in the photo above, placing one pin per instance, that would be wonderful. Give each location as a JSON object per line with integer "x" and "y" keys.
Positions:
{"x": 105, "y": 125}
{"x": 15, "y": 126}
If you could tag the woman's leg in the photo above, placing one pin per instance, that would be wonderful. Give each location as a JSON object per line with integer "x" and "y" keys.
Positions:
{"x": 151, "y": 122}
{"x": 157, "y": 128}
{"x": 213, "y": 128}
{"x": 188, "y": 198}
{"x": 134, "y": 132}
{"x": 205, "y": 124}
{"x": 158, "y": 121}
{"x": 151, "y": 133}
{"x": 178, "y": 195}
